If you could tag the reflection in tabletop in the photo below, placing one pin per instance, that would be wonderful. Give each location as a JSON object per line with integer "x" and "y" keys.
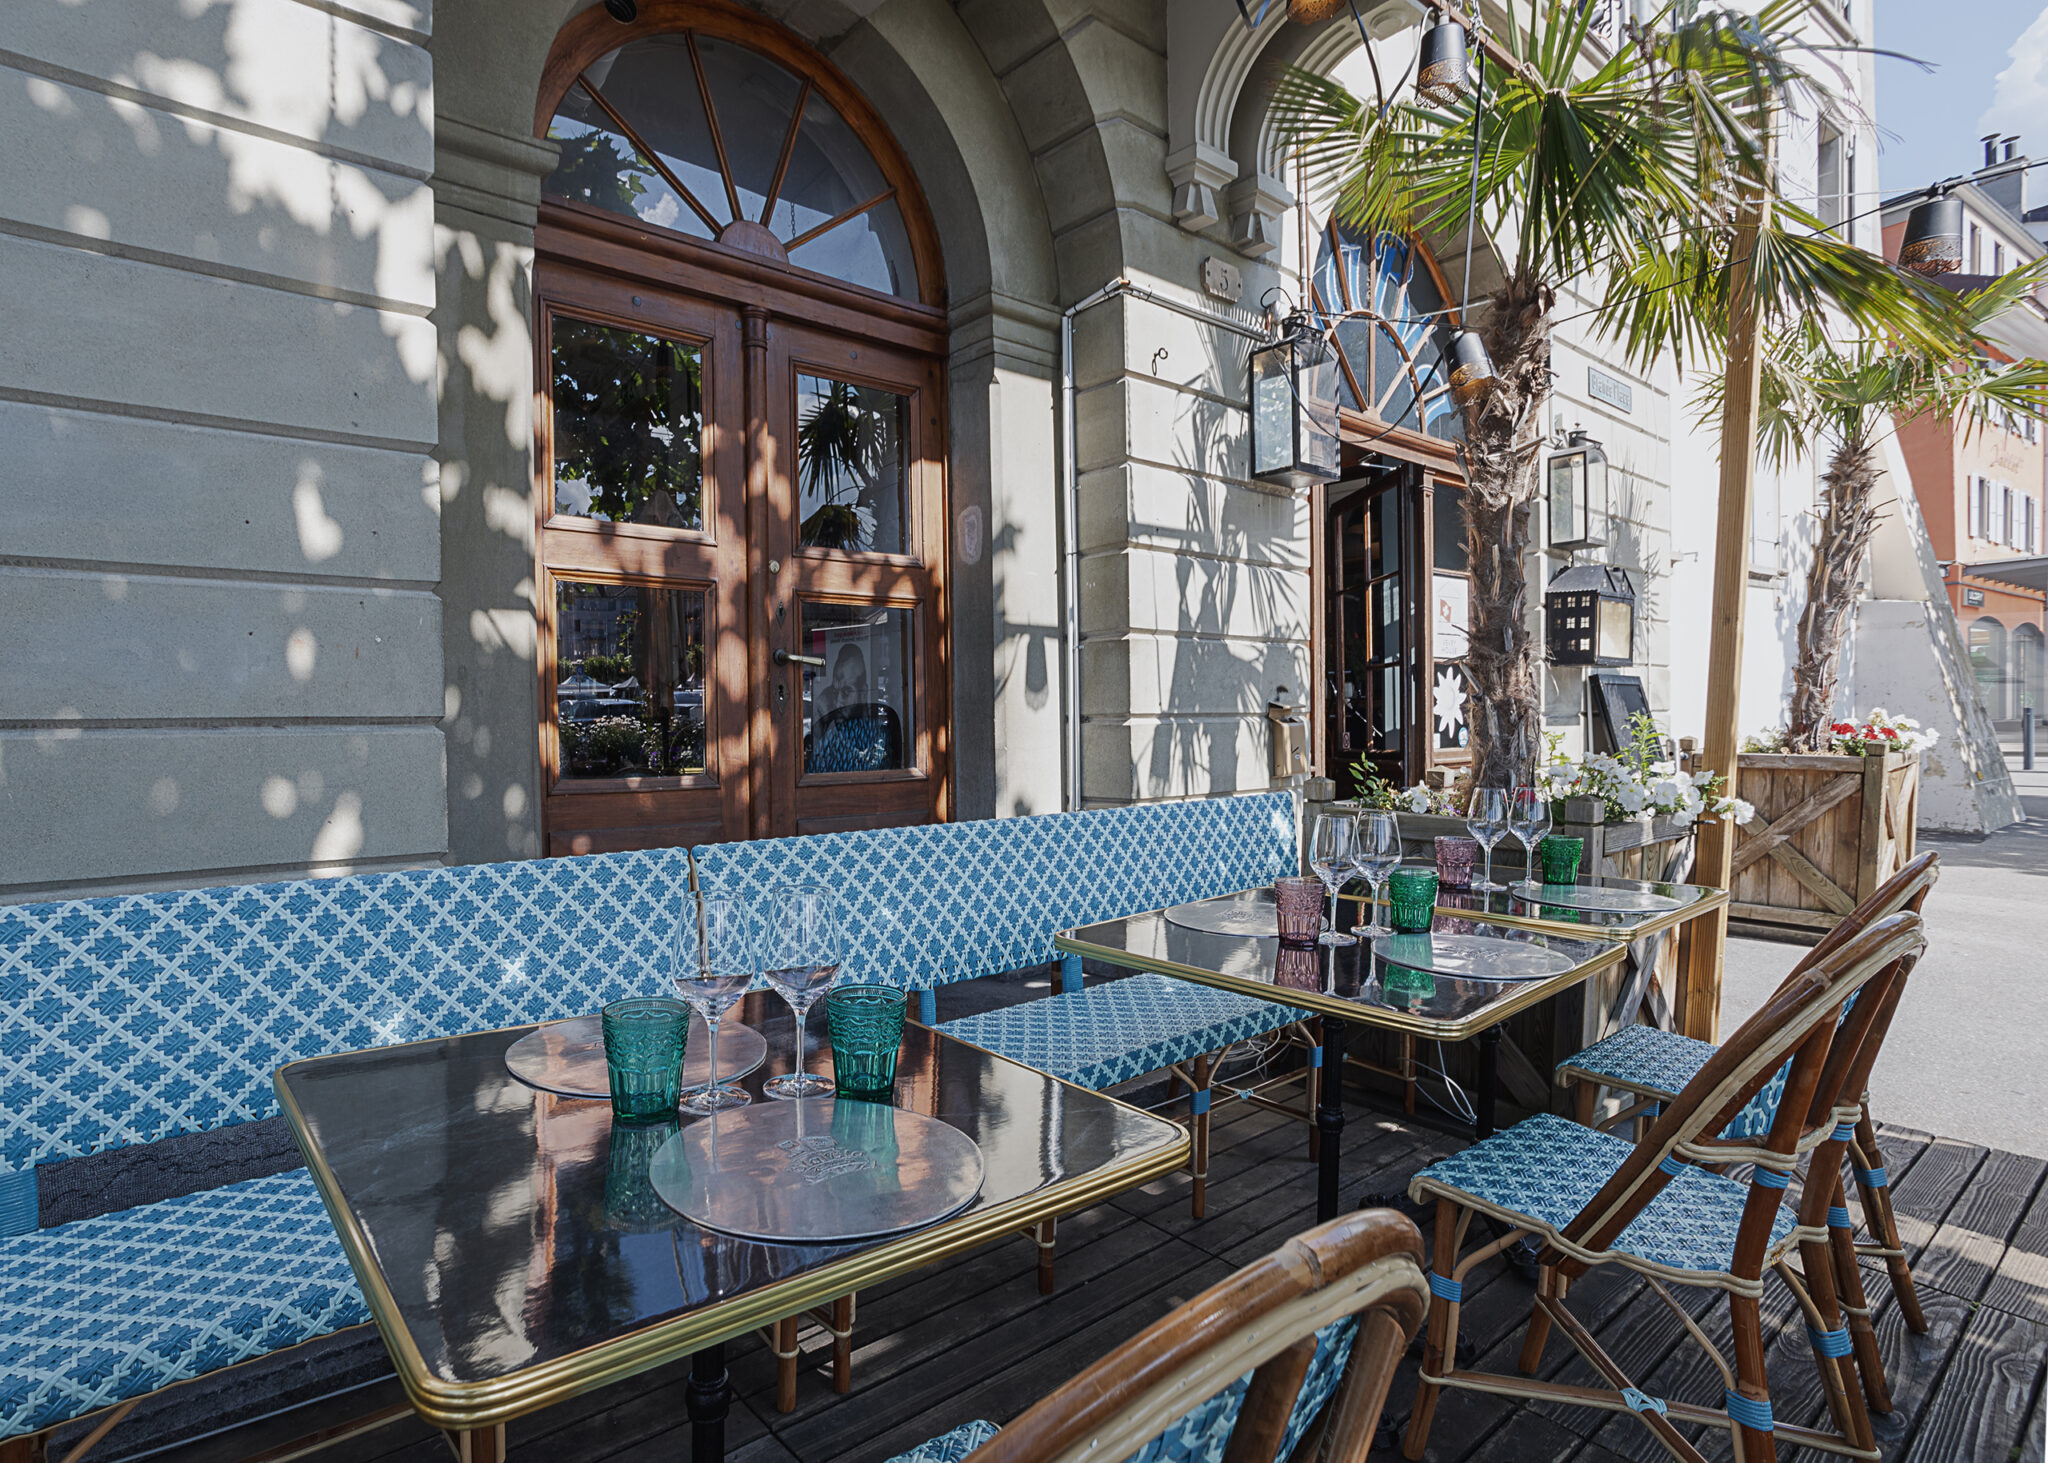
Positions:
{"x": 512, "y": 1226}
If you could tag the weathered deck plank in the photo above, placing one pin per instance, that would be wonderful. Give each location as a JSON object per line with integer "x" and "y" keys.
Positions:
{"x": 1981, "y": 1402}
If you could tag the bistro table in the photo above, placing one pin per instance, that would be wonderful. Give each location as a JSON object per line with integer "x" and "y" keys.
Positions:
{"x": 1563, "y": 910}
{"x": 1344, "y": 984}
{"x": 514, "y": 1254}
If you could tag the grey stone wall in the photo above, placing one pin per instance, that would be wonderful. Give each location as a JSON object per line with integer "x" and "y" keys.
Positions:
{"x": 219, "y": 535}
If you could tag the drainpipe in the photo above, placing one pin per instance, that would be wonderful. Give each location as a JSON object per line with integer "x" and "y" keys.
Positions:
{"x": 1070, "y": 498}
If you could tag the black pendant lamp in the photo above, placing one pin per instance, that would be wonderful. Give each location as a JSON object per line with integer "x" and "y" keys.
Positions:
{"x": 1443, "y": 72}
{"x": 1934, "y": 236}
{"x": 1471, "y": 367}
{"x": 625, "y": 12}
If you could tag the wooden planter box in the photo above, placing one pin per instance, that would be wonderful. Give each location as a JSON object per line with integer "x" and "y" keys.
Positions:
{"x": 1828, "y": 830}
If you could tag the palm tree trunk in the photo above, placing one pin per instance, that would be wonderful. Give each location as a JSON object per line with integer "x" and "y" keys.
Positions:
{"x": 1845, "y": 533}
{"x": 1503, "y": 438}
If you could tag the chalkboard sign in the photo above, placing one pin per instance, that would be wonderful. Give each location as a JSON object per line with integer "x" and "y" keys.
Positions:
{"x": 1615, "y": 700}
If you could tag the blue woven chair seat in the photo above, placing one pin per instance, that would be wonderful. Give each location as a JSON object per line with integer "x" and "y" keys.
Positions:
{"x": 1659, "y": 1063}
{"x": 1110, "y": 1033}
{"x": 1202, "y": 1434}
{"x": 1543, "y": 1171}
{"x": 104, "y": 1309}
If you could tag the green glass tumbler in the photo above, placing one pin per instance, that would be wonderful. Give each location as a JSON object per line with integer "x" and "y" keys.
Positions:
{"x": 643, "y": 1056}
{"x": 1560, "y": 859}
{"x": 1411, "y": 899}
{"x": 866, "y": 1026}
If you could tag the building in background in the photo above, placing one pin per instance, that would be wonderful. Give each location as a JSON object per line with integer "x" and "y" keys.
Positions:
{"x": 1983, "y": 487}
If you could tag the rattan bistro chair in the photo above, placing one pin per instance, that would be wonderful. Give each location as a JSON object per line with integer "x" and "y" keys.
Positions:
{"x": 1651, "y": 1066}
{"x": 1657, "y": 1208}
{"x": 1243, "y": 1372}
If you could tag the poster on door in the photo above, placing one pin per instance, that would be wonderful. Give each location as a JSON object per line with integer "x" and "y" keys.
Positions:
{"x": 857, "y": 705}
{"x": 1450, "y": 617}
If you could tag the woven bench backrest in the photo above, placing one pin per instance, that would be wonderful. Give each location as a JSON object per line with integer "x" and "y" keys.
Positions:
{"x": 128, "y": 1019}
{"x": 925, "y": 906}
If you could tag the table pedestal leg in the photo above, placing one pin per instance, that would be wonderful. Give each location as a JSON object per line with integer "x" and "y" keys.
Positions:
{"x": 1330, "y": 1119}
{"x": 1488, "y": 1096}
{"x": 479, "y": 1444}
{"x": 707, "y": 1398}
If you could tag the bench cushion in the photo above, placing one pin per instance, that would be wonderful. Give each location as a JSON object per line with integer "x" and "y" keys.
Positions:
{"x": 109, "y": 1308}
{"x": 925, "y": 906}
{"x": 124, "y": 1020}
{"x": 1110, "y": 1033}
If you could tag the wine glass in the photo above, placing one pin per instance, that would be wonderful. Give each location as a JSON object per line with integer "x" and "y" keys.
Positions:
{"x": 1329, "y": 854}
{"x": 800, "y": 958}
{"x": 1487, "y": 820}
{"x": 714, "y": 965}
{"x": 1375, "y": 853}
{"x": 1529, "y": 820}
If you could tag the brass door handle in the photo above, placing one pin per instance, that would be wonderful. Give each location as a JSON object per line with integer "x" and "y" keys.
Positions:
{"x": 783, "y": 657}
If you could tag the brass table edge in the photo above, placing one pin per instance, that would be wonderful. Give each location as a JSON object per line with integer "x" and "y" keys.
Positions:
{"x": 459, "y": 1406}
{"x": 1528, "y": 993}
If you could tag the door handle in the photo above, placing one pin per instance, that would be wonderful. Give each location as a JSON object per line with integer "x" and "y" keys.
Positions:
{"x": 783, "y": 657}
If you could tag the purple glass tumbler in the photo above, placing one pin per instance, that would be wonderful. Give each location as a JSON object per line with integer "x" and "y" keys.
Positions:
{"x": 1454, "y": 860}
{"x": 1299, "y": 904}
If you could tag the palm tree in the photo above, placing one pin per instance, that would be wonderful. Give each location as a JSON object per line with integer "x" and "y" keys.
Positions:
{"x": 1643, "y": 171}
{"x": 1816, "y": 387}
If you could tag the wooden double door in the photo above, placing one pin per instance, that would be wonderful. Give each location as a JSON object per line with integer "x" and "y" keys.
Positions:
{"x": 742, "y": 539}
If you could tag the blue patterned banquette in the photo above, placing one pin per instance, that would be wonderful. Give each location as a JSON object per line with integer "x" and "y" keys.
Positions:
{"x": 129, "y": 1019}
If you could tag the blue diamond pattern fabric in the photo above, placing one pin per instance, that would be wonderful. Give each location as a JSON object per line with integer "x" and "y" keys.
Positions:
{"x": 1319, "y": 1385}
{"x": 1106, "y": 1034}
{"x": 1544, "y": 1170}
{"x": 128, "y": 1019}
{"x": 1659, "y": 1063}
{"x": 108, "y": 1308}
{"x": 926, "y": 906}
{"x": 949, "y": 1447}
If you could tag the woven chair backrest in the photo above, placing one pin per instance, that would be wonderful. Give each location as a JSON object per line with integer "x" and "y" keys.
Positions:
{"x": 921, "y": 907}
{"x": 1324, "y": 1319}
{"x": 1905, "y": 890}
{"x": 128, "y": 1019}
{"x": 1799, "y": 1022}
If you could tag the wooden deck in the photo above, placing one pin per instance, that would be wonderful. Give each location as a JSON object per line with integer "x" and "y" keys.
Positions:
{"x": 974, "y": 1339}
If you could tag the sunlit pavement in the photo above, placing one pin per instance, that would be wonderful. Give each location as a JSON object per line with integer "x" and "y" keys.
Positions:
{"x": 1969, "y": 1052}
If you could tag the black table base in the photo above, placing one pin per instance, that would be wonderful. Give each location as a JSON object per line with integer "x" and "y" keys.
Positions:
{"x": 1330, "y": 1119}
{"x": 707, "y": 1397}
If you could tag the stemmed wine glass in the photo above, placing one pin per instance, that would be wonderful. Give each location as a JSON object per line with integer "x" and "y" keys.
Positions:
{"x": 1329, "y": 854}
{"x": 1529, "y": 820}
{"x": 714, "y": 965}
{"x": 1487, "y": 820}
{"x": 1375, "y": 853}
{"x": 800, "y": 958}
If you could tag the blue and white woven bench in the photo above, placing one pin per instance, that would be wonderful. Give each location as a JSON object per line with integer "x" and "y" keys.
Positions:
{"x": 129, "y": 1020}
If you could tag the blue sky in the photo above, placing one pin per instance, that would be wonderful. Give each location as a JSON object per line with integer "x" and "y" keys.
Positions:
{"x": 1991, "y": 59}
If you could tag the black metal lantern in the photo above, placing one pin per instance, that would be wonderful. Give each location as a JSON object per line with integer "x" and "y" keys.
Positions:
{"x": 1471, "y": 368}
{"x": 625, "y": 12}
{"x": 1578, "y": 494}
{"x": 1443, "y": 71}
{"x": 1589, "y": 613}
{"x": 1294, "y": 406}
{"x": 1934, "y": 236}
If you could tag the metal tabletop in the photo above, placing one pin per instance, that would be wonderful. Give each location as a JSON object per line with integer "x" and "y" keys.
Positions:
{"x": 512, "y": 1251}
{"x": 1344, "y": 981}
{"x": 1527, "y": 909}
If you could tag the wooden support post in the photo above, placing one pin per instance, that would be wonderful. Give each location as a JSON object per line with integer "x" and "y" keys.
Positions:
{"x": 1698, "y": 1012}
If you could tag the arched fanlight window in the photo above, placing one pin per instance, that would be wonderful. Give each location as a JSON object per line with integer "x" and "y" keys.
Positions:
{"x": 1394, "y": 368}
{"x": 706, "y": 137}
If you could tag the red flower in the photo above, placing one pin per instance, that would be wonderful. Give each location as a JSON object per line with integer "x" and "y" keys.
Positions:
{"x": 1842, "y": 728}
{"x": 1888, "y": 731}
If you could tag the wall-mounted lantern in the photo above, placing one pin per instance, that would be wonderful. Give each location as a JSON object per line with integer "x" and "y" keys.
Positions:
{"x": 1294, "y": 406}
{"x": 1578, "y": 494}
{"x": 1589, "y": 612}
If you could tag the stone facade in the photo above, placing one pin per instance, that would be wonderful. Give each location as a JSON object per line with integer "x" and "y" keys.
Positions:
{"x": 269, "y": 325}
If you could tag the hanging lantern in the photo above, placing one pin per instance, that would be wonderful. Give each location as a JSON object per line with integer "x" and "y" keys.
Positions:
{"x": 1442, "y": 72}
{"x": 1578, "y": 494}
{"x": 1294, "y": 406}
{"x": 1589, "y": 612}
{"x": 1471, "y": 368}
{"x": 625, "y": 12}
{"x": 1312, "y": 12}
{"x": 1934, "y": 236}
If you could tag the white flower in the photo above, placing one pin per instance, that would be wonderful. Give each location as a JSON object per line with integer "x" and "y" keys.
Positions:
{"x": 1631, "y": 797}
{"x": 1743, "y": 811}
{"x": 1684, "y": 817}
{"x": 1666, "y": 792}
